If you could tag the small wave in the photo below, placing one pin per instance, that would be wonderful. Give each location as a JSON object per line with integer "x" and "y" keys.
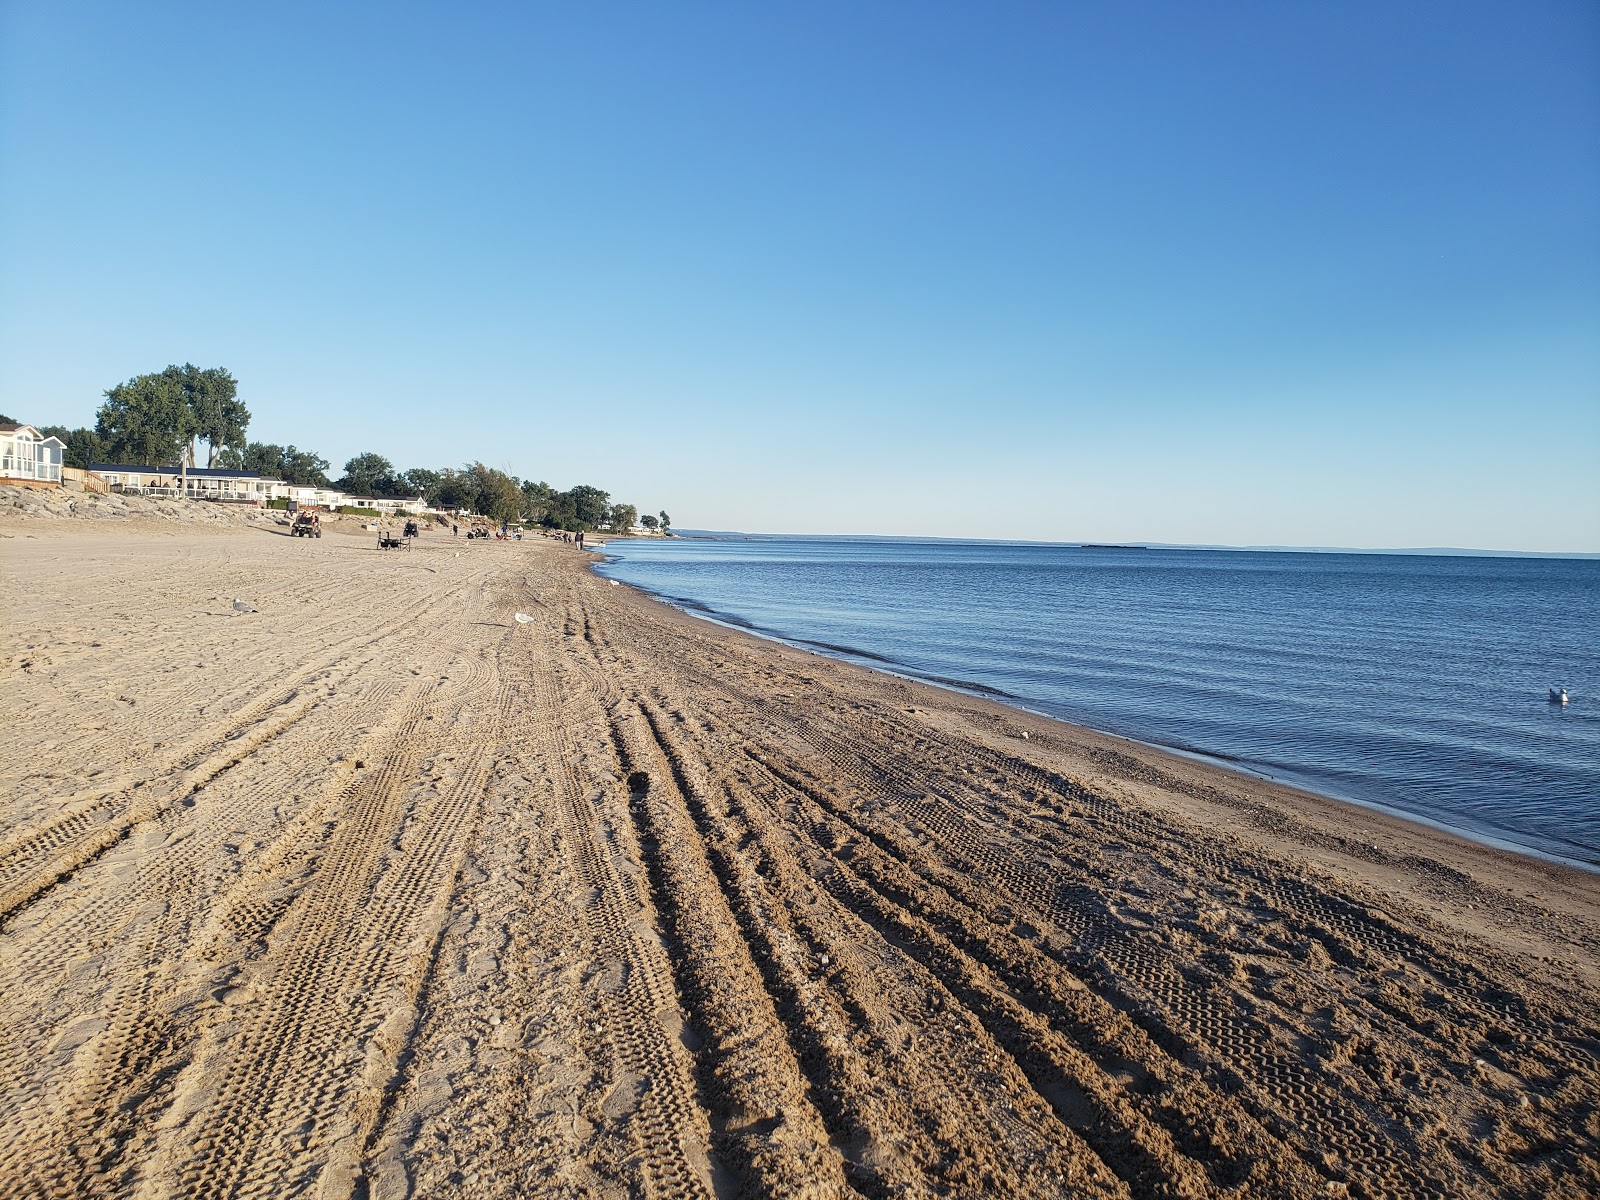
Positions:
{"x": 850, "y": 650}
{"x": 967, "y": 685}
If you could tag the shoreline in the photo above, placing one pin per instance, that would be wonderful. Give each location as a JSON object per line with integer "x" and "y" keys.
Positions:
{"x": 1304, "y": 783}
{"x": 459, "y": 870}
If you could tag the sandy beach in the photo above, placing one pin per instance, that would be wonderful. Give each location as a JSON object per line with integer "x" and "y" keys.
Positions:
{"x": 380, "y": 891}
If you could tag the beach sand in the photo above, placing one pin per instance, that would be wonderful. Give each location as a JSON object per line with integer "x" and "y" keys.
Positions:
{"x": 378, "y": 891}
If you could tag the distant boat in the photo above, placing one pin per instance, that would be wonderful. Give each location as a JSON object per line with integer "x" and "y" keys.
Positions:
{"x": 1558, "y": 695}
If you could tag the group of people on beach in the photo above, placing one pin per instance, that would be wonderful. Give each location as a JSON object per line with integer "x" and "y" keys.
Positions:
{"x": 507, "y": 534}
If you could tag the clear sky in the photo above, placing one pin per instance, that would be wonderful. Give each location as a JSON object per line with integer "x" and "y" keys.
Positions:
{"x": 1292, "y": 273}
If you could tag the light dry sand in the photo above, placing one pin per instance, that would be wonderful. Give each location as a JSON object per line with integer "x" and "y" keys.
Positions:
{"x": 378, "y": 892}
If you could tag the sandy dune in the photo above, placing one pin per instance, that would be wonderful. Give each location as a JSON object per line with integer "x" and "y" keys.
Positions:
{"x": 377, "y": 892}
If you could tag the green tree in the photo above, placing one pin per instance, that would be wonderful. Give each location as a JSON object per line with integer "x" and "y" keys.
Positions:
{"x": 622, "y": 517}
{"x": 420, "y": 481}
{"x": 367, "y": 475}
{"x": 666, "y": 522}
{"x": 215, "y": 411}
{"x": 649, "y": 522}
{"x": 590, "y": 505}
{"x": 538, "y": 500}
{"x": 498, "y": 496}
{"x": 300, "y": 467}
{"x": 560, "y": 514}
{"x": 303, "y": 468}
{"x": 453, "y": 490}
{"x": 146, "y": 420}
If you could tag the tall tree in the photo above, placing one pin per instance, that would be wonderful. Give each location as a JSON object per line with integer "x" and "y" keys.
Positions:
{"x": 538, "y": 499}
{"x": 589, "y": 505}
{"x": 496, "y": 494}
{"x": 303, "y": 468}
{"x": 649, "y": 522}
{"x": 366, "y": 475}
{"x": 622, "y": 517}
{"x": 300, "y": 467}
{"x": 452, "y": 490}
{"x": 560, "y": 514}
{"x": 421, "y": 481}
{"x": 146, "y": 420}
{"x": 216, "y": 413}
{"x": 666, "y": 522}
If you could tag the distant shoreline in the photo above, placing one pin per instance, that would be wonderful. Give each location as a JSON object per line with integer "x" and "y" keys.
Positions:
{"x": 1074, "y": 544}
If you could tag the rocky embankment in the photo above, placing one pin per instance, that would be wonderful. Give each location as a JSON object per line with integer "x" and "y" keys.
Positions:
{"x": 61, "y": 503}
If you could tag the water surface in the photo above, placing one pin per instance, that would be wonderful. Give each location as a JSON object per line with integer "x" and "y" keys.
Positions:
{"x": 1414, "y": 682}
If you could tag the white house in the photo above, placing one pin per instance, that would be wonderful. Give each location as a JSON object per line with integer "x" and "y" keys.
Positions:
{"x": 28, "y": 458}
{"x": 387, "y": 506}
{"x": 196, "y": 483}
{"x": 302, "y": 494}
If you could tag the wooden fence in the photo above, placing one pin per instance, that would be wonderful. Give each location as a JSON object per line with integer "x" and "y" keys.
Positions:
{"x": 80, "y": 480}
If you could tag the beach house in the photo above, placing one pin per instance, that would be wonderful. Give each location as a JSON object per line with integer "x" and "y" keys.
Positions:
{"x": 388, "y": 505}
{"x": 195, "y": 483}
{"x": 305, "y": 494}
{"x": 29, "y": 458}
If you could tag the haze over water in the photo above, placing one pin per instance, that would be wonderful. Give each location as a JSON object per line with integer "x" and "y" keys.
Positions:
{"x": 1414, "y": 682}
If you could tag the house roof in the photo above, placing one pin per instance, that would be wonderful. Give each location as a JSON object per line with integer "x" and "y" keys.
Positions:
{"x": 202, "y": 472}
{"x": 19, "y": 426}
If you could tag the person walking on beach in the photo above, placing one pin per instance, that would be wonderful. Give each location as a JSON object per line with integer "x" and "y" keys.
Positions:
{"x": 580, "y": 539}
{"x": 452, "y": 529}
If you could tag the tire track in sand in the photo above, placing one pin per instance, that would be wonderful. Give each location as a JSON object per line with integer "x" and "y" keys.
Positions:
{"x": 910, "y": 1086}
{"x": 35, "y": 858}
{"x": 667, "y": 1127}
{"x": 106, "y": 954}
{"x": 285, "y": 1096}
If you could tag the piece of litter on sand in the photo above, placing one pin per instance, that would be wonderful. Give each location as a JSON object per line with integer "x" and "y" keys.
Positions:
{"x": 614, "y": 583}
{"x": 241, "y": 606}
{"x": 523, "y": 618}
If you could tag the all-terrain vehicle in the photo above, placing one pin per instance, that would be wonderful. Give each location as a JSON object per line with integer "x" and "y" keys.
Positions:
{"x": 412, "y": 529}
{"x": 307, "y": 523}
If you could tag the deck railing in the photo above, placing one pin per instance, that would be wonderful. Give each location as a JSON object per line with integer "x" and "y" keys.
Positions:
{"x": 25, "y": 466}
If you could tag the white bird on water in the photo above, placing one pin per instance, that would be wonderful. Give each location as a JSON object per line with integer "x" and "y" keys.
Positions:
{"x": 240, "y": 606}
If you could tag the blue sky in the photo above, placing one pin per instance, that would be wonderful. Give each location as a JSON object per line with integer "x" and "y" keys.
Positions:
{"x": 1241, "y": 273}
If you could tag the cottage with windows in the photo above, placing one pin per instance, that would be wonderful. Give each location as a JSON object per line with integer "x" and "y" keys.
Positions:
{"x": 28, "y": 458}
{"x": 305, "y": 494}
{"x": 389, "y": 506}
{"x": 194, "y": 483}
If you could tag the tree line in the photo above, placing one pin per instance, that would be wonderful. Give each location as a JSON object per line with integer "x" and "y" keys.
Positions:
{"x": 160, "y": 419}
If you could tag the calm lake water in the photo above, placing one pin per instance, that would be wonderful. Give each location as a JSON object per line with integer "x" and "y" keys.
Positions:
{"x": 1418, "y": 683}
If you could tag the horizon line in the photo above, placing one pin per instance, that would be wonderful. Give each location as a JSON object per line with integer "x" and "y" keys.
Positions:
{"x": 1134, "y": 543}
